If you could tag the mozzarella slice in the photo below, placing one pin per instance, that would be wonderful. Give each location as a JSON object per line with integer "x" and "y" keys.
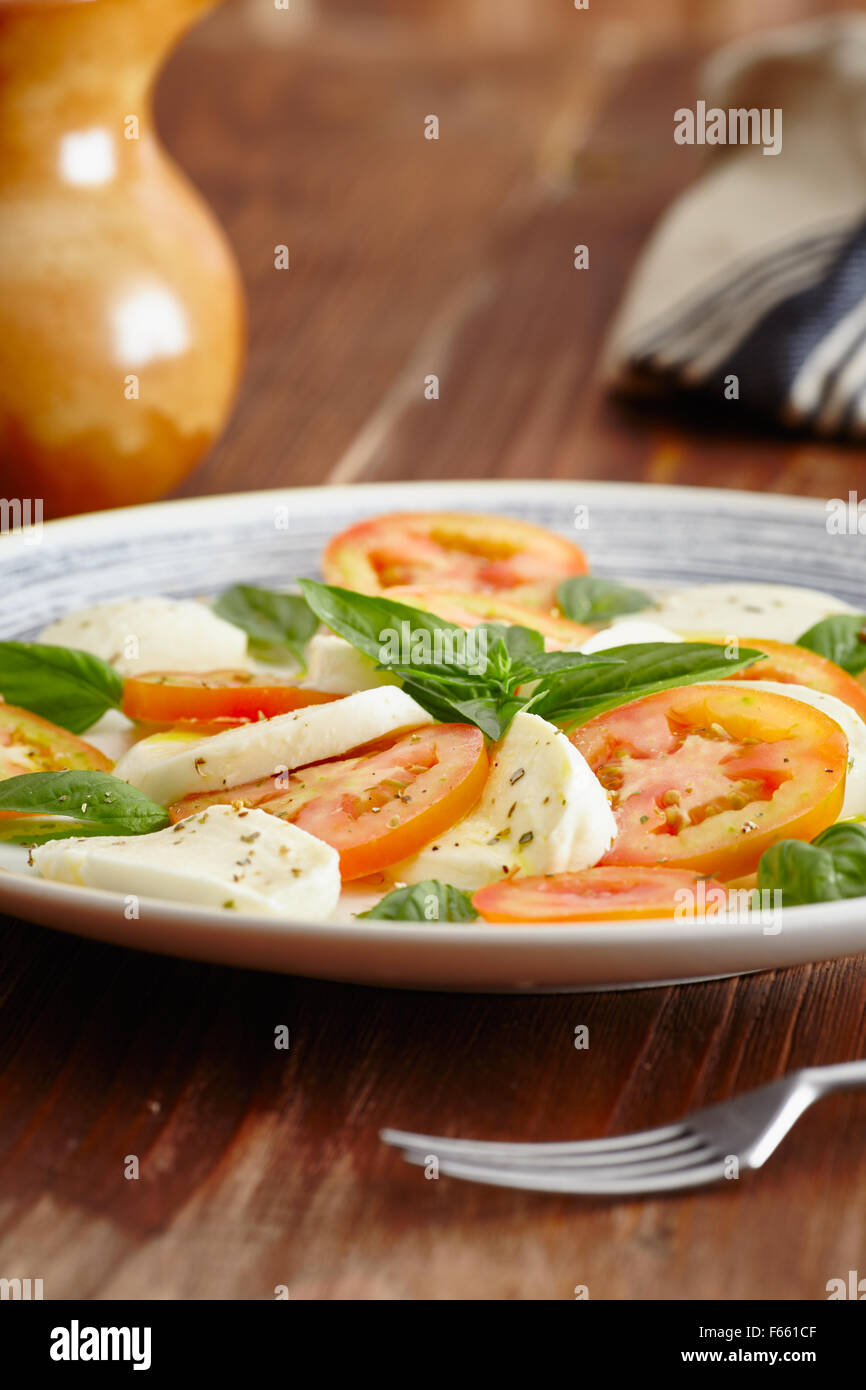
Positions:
{"x": 246, "y": 860}
{"x": 627, "y": 631}
{"x": 139, "y": 763}
{"x": 851, "y": 725}
{"x": 333, "y": 664}
{"x": 543, "y": 811}
{"x": 258, "y": 750}
{"x": 152, "y": 634}
{"x": 779, "y": 612}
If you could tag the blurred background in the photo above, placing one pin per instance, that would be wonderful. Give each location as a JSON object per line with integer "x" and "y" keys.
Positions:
{"x": 304, "y": 127}
{"x": 454, "y": 257}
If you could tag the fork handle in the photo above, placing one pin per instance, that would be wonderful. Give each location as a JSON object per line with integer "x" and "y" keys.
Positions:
{"x": 839, "y": 1077}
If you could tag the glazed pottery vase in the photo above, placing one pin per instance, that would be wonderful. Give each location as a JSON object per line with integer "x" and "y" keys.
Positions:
{"x": 121, "y": 309}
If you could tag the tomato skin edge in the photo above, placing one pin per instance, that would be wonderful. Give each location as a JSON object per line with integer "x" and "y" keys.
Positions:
{"x": 165, "y": 703}
{"x": 505, "y": 902}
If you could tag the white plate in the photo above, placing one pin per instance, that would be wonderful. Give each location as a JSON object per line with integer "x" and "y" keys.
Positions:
{"x": 654, "y": 534}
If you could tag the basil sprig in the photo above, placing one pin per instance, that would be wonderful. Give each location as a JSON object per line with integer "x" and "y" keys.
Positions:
{"x": 59, "y": 804}
{"x": 274, "y": 623}
{"x": 841, "y": 638}
{"x": 648, "y": 668}
{"x": 833, "y": 866}
{"x": 587, "y": 599}
{"x": 428, "y": 901}
{"x": 485, "y": 676}
{"x": 69, "y": 687}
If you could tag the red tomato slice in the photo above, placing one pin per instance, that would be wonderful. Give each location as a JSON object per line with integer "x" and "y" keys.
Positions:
{"x": 453, "y": 550}
{"x": 379, "y": 806}
{"x": 176, "y": 697}
{"x": 599, "y": 895}
{"x": 29, "y": 743}
{"x": 469, "y": 610}
{"x": 707, "y": 777}
{"x": 794, "y": 665}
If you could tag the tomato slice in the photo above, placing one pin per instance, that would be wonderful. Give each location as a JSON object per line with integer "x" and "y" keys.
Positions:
{"x": 29, "y": 743}
{"x": 794, "y": 665}
{"x": 470, "y": 609}
{"x": 707, "y": 777}
{"x": 789, "y": 664}
{"x": 177, "y": 697}
{"x": 454, "y": 550}
{"x": 598, "y": 895}
{"x": 376, "y": 807}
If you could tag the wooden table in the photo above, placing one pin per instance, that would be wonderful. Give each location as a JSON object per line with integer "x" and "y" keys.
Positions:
{"x": 261, "y": 1167}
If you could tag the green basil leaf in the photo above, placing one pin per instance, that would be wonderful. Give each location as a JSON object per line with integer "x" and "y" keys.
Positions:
{"x": 641, "y": 668}
{"x": 485, "y": 711}
{"x": 75, "y": 803}
{"x": 804, "y": 873}
{"x": 649, "y": 662}
{"x": 275, "y": 623}
{"x": 558, "y": 663}
{"x": 841, "y": 638}
{"x": 69, "y": 687}
{"x": 428, "y": 901}
{"x": 833, "y": 866}
{"x": 370, "y": 623}
{"x": 588, "y": 599}
{"x": 439, "y": 675}
{"x": 846, "y": 842}
{"x": 521, "y": 643}
{"x": 572, "y": 718}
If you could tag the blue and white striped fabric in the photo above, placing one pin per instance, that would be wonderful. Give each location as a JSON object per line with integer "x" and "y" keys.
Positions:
{"x": 753, "y": 287}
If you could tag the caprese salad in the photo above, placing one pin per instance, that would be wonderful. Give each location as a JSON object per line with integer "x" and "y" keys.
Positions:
{"x": 460, "y": 723}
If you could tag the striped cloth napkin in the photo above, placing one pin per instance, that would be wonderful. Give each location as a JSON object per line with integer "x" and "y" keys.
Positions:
{"x": 753, "y": 285}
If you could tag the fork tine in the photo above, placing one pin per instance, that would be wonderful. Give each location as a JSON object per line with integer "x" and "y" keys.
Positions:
{"x": 579, "y": 1182}
{"x": 503, "y": 1152}
{"x": 668, "y": 1158}
{"x": 690, "y": 1148}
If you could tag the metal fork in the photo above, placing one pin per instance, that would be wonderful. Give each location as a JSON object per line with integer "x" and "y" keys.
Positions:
{"x": 705, "y": 1146}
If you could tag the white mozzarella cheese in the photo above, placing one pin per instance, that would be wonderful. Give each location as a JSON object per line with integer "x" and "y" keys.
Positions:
{"x": 255, "y": 750}
{"x": 542, "y": 811}
{"x": 152, "y": 634}
{"x": 779, "y": 612}
{"x": 138, "y": 764}
{"x": 333, "y": 664}
{"x": 246, "y": 860}
{"x": 626, "y": 632}
{"x": 851, "y": 725}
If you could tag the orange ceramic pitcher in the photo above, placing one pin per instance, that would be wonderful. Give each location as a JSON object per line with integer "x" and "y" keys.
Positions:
{"x": 121, "y": 311}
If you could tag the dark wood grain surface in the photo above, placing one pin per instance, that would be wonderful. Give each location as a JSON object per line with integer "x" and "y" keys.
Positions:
{"x": 261, "y": 1167}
